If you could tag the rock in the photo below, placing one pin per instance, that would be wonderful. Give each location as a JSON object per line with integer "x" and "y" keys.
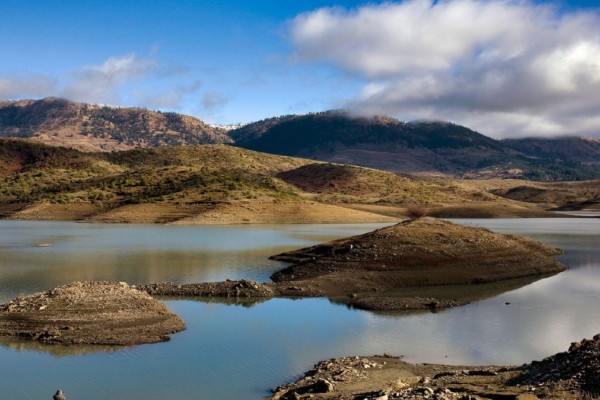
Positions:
{"x": 323, "y": 386}
{"x": 482, "y": 372}
{"x": 228, "y": 288}
{"x": 89, "y": 313}
{"x": 59, "y": 395}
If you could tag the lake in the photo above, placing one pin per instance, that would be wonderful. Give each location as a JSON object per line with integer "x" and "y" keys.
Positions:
{"x": 239, "y": 351}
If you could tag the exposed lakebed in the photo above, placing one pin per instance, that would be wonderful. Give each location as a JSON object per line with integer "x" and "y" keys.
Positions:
{"x": 233, "y": 351}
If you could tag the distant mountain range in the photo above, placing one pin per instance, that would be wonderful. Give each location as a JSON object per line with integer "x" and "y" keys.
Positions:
{"x": 575, "y": 148}
{"x": 421, "y": 147}
{"x": 90, "y": 127}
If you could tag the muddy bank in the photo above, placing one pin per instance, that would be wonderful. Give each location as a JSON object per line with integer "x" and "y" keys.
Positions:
{"x": 105, "y": 313}
{"x": 570, "y": 375}
{"x": 223, "y": 213}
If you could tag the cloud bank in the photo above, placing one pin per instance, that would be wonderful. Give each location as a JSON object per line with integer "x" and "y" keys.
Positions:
{"x": 504, "y": 67}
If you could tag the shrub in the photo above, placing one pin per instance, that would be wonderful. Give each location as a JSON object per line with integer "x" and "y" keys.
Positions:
{"x": 416, "y": 211}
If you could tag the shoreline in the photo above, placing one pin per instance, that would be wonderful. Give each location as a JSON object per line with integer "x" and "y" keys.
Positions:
{"x": 259, "y": 213}
{"x": 413, "y": 265}
{"x": 568, "y": 375}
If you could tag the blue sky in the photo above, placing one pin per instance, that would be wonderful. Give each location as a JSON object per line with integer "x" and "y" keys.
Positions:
{"x": 240, "y": 61}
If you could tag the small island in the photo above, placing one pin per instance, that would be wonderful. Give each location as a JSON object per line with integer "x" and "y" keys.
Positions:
{"x": 104, "y": 313}
{"x": 382, "y": 270}
{"x": 388, "y": 269}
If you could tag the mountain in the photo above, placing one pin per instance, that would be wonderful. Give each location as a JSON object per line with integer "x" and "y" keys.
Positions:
{"x": 422, "y": 147}
{"x": 574, "y": 148}
{"x": 91, "y": 127}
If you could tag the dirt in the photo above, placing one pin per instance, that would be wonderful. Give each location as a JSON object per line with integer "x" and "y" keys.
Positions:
{"x": 282, "y": 213}
{"x": 255, "y": 212}
{"x": 371, "y": 270}
{"x": 414, "y": 265}
{"x": 569, "y": 375}
{"x": 228, "y": 288}
{"x": 104, "y": 313}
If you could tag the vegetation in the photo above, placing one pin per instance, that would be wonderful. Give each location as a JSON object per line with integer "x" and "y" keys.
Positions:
{"x": 426, "y": 146}
{"x": 378, "y": 142}
{"x": 184, "y": 180}
{"x": 99, "y": 128}
{"x": 194, "y": 174}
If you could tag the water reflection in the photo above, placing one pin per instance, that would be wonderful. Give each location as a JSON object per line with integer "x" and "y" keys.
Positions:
{"x": 239, "y": 351}
{"x": 56, "y": 350}
{"x": 142, "y": 253}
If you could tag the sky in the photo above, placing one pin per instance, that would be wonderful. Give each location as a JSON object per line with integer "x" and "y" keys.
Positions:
{"x": 506, "y": 68}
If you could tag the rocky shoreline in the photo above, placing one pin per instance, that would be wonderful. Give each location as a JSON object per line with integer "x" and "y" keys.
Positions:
{"x": 574, "y": 374}
{"x": 103, "y": 313}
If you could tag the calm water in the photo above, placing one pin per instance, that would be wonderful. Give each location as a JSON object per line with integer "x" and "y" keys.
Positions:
{"x": 239, "y": 351}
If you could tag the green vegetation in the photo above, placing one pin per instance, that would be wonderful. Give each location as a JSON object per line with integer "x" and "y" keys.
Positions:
{"x": 425, "y": 146}
{"x": 184, "y": 175}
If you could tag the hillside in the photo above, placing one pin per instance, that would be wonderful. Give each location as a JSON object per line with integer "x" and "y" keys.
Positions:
{"x": 90, "y": 127}
{"x": 222, "y": 184}
{"x": 422, "y": 147}
{"x": 425, "y": 147}
{"x": 573, "y": 148}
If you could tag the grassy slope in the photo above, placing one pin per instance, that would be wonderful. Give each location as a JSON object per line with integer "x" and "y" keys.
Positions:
{"x": 228, "y": 184}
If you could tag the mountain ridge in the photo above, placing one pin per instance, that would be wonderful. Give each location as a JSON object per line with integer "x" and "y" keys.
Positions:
{"x": 417, "y": 147}
{"x": 425, "y": 147}
{"x": 94, "y": 127}
{"x": 576, "y": 148}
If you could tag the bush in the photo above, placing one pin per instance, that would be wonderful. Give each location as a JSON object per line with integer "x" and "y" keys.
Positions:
{"x": 416, "y": 211}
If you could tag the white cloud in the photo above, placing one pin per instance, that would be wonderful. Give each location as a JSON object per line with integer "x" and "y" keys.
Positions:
{"x": 126, "y": 80}
{"x": 504, "y": 67}
{"x": 100, "y": 83}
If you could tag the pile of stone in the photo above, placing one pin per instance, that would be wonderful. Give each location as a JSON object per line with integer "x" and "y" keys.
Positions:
{"x": 577, "y": 369}
{"x": 108, "y": 313}
{"x": 339, "y": 378}
{"x": 324, "y": 376}
{"x": 228, "y": 288}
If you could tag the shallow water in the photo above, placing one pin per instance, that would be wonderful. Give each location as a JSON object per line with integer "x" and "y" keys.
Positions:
{"x": 238, "y": 352}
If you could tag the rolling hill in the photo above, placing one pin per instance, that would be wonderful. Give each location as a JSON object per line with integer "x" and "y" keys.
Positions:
{"x": 422, "y": 147}
{"x": 90, "y": 127}
{"x": 572, "y": 148}
{"x": 225, "y": 184}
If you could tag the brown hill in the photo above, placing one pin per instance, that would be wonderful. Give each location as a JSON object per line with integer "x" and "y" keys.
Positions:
{"x": 90, "y": 127}
{"x": 225, "y": 184}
